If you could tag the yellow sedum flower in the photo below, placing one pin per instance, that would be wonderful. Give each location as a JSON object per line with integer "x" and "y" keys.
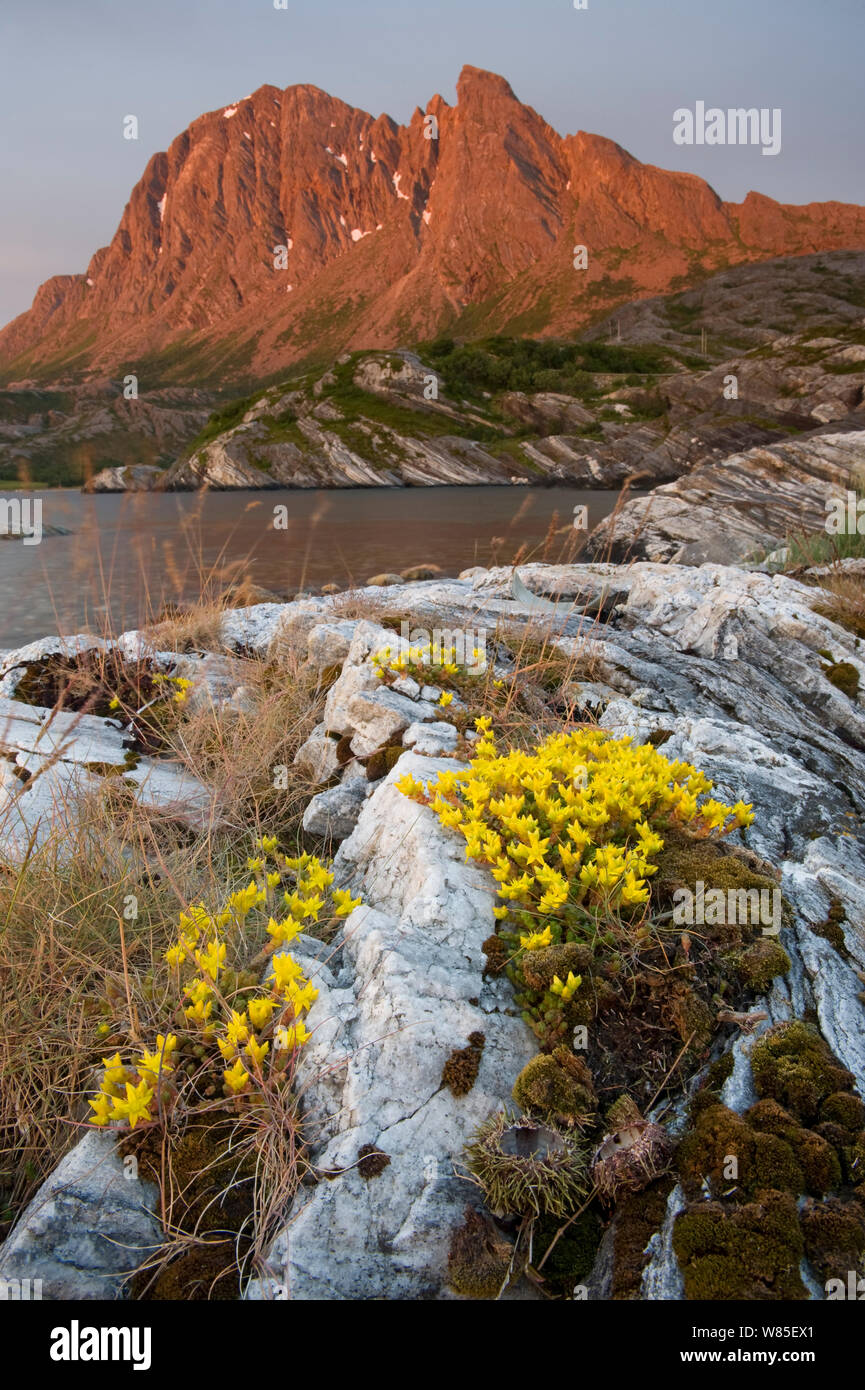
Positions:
{"x": 567, "y": 990}
{"x": 536, "y": 941}
{"x": 236, "y": 1077}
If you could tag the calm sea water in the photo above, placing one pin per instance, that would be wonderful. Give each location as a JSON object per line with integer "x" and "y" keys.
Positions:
{"x": 128, "y": 554}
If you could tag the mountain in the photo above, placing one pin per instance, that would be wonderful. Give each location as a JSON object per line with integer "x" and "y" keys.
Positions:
{"x": 391, "y": 237}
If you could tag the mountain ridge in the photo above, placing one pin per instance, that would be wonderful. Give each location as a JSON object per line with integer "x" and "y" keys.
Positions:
{"x": 389, "y": 237}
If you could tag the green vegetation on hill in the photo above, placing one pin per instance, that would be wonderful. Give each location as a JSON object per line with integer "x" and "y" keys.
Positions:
{"x": 531, "y": 364}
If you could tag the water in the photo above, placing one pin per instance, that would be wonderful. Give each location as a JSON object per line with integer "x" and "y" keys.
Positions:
{"x": 128, "y": 554}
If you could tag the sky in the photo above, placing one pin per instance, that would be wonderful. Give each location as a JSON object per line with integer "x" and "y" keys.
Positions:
{"x": 71, "y": 72}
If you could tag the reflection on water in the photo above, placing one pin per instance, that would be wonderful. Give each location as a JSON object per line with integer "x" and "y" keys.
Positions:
{"x": 128, "y": 554}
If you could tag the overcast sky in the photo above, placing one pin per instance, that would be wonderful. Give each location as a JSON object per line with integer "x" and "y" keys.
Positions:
{"x": 70, "y": 70}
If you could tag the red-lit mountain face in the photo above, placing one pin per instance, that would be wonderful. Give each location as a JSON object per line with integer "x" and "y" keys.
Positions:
{"x": 291, "y": 226}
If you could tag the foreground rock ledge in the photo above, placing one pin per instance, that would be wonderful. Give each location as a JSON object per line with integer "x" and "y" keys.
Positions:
{"x": 401, "y": 992}
{"x": 725, "y": 667}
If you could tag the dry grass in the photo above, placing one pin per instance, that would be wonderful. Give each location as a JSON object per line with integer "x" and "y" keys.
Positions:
{"x": 69, "y": 960}
{"x": 845, "y": 600}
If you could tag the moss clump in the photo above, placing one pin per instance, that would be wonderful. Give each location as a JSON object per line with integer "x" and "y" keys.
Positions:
{"x": 815, "y": 1155}
{"x": 526, "y": 1169}
{"x": 684, "y": 862}
{"x": 343, "y": 750}
{"x": 752, "y": 1252}
{"x": 795, "y": 1066}
{"x": 844, "y": 1109}
{"x": 763, "y": 1159}
{"x": 210, "y": 1197}
{"x": 479, "y": 1261}
{"x": 834, "y": 1233}
{"x": 371, "y": 1161}
{"x": 691, "y": 1016}
{"x": 638, "y": 1216}
{"x": 573, "y": 1254}
{"x": 832, "y": 929}
{"x": 757, "y": 965}
{"x": 496, "y": 952}
{"x": 379, "y": 764}
{"x": 559, "y": 1087}
{"x": 844, "y": 676}
{"x": 539, "y": 968}
{"x": 460, "y": 1071}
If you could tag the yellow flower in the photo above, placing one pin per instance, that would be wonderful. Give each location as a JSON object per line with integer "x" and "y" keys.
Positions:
{"x": 567, "y": 990}
{"x": 256, "y": 1051}
{"x": 312, "y": 907}
{"x": 293, "y": 1036}
{"x": 200, "y": 1011}
{"x": 301, "y": 998}
{"x": 344, "y": 902}
{"x": 154, "y": 1062}
{"x": 212, "y": 960}
{"x": 236, "y": 1077}
{"x": 115, "y": 1074}
{"x": 136, "y": 1105}
{"x": 445, "y": 698}
{"x": 238, "y": 1027}
{"x": 317, "y": 876}
{"x": 283, "y": 932}
{"x": 537, "y": 940}
{"x": 255, "y": 864}
{"x": 410, "y": 787}
{"x": 101, "y": 1108}
{"x": 259, "y": 1011}
{"x": 285, "y": 971}
{"x": 267, "y": 843}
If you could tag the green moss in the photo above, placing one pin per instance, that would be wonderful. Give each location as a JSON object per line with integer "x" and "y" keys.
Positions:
{"x": 479, "y": 1261}
{"x": 752, "y": 1252}
{"x": 795, "y": 1066}
{"x": 757, "y": 965}
{"x": 844, "y": 676}
{"x": 573, "y": 1255}
{"x": 638, "y": 1216}
{"x": 845, "y": 1110}
{"x": 693, "y": 1019}
{"x": 496, "y": 952}
{"x": 209, "y": 1183}
{"x": 539, "y": 968}
{"x": 557, "y": 1087}
{"x": 684, "y": 862}
{"x": 834, "y": 1233}
{"x": 832, "y": 929}
{"x": 762, "y": 1159}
